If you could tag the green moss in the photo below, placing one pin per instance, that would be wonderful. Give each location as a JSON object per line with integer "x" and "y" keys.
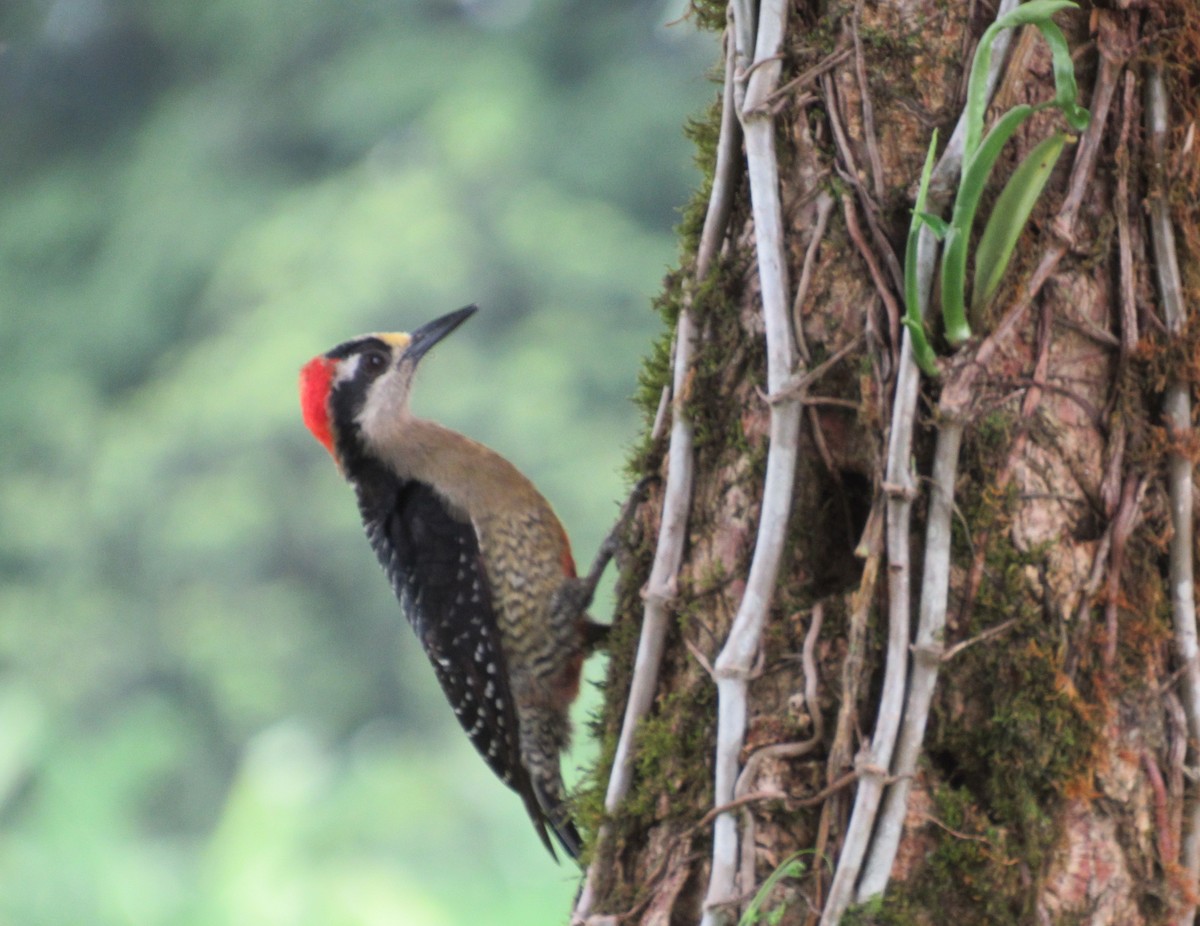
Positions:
{"x": 992, "y": 435}
{"x": 704, "y": 132}
{"x": 673, "y": 756}
{"x": 672, "y": 749}
{"x": 1037, "y": 738}
{"x": 654, "y": 376}
{"x": 709, "y": 14}
{"x": 823, "y": 34}
{"x": 674, "y": 753}
{"x": 717, "y": 367}
{"x": 892, "y": 52}
{"x": 966, "y": 878}
{"x": 1006, "y": 776}
{"x": 708, "y": 296}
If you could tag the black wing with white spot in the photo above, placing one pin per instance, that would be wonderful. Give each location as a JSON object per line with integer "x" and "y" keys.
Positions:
{"x": 433, "y": 561}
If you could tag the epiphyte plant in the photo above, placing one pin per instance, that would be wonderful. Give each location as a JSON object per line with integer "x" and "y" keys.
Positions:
{"x": 1015, "y": 202}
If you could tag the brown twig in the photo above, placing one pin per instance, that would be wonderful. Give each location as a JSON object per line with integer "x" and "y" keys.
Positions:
{"x": 751, "y": 798}
{"x": 832, "y": 60}
{"x": 811, "y": 695}
{"x": 957, "y": 648}
{"x": 1176, "y": 756}
{"x": 795, "y": 385}
{"x": 1168, "y": 849}
{"x": 868, "y": 111}
{"x": 881, "y": 284}
{"x": 1128, "y": 277}
{"x": 700, "y": 658}
{"x": 850, "y": 173}
{"x": 957, "y": 834}
{"x": 1123, "y": 523}
{"x": 754, "y": 797}
{"x": 824, "y": 208}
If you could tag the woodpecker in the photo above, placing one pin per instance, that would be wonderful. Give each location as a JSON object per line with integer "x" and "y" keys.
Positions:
{"x": 477, "y": 557}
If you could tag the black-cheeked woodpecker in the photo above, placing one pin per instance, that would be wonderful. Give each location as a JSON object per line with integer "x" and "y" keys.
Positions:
{"x": 479, "y": 561}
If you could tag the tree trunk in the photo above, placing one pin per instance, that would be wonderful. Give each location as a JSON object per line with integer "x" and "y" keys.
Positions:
{"x": 1052, "y": 783}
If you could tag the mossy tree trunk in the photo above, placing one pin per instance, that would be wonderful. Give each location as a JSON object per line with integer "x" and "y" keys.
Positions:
{"x": 1053, "y": 783}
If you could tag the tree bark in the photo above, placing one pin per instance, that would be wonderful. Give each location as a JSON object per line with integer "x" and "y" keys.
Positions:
{"x": 1052, "y": 783}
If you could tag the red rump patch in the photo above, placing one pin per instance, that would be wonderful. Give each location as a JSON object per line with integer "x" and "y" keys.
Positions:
{"x": 315, "y": 379}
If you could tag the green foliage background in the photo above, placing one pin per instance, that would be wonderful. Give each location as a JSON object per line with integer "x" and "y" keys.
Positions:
{"x": 211, "y": 711}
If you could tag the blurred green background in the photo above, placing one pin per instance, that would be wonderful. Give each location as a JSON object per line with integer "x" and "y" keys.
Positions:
{"x": 211, "y": 710}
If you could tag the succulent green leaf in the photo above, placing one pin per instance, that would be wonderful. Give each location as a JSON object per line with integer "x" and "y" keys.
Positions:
{"x": 979, "y": 157}
{"x": 1066, "y": 92}
{"x": 1033, "y": 12}
{"x": 936, "y": 223}
{"x": 922, "y": 352}
{"x": 954, "y": 259}
{"x": 792, "y": 867}
{"x": 1036, "y": 12}
{"x": 1009, "y": 217}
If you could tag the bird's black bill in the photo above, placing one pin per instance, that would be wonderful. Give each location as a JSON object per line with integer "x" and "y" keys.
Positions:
{"x": 429, "y": 334}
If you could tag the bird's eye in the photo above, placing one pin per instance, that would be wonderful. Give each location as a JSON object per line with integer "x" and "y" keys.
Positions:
{"x": 375, "y": 362}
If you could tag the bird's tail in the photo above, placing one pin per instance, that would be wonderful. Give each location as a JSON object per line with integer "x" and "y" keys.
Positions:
{"x": 549, "y": 792}
{"x": 544, "y": 735}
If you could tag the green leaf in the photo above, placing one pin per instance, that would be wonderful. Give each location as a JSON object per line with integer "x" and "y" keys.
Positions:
{"x": 791, "y": 867}
{"x": 922, "y": 352}
{"x": 1009, "y": 217}
{"x": 954, "y": 259}
{"x": 939, "y": 226}
{"x": 1036, "y": 12}
{"x": 1066, "y": 92}
{"x": 1033, "y": 12}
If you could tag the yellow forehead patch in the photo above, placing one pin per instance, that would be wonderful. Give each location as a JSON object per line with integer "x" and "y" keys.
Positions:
{"x": 397, "y": 339}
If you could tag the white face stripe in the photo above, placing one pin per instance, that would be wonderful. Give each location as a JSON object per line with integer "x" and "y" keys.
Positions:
{"x": 346, "y": 369}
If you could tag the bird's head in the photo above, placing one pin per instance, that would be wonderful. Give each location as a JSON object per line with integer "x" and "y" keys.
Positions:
{"x": 363, "y": 384}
